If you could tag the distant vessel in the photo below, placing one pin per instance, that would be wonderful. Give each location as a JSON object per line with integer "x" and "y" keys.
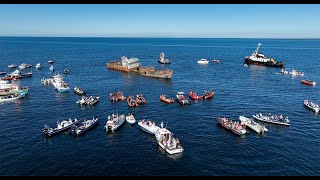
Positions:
{"x": 50, "y": 61}
{"x": 257, "y": 58}
{"x": 203, "y": 61}
{"x": 308, "y": 82}
{"x": 296, "y": 73}
{"x": 38, "y": 66}
{"x": 12, "y": 66}
{"x": 162, "y": 60}
{"x": 133, "y": 65}
{"x": 24, "y": 66}
{"x": 2, "y": 73}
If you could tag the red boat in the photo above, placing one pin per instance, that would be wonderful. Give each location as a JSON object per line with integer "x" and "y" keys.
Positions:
{"x": 11, "y": 77}
{"x": 113, "y": 97}
{"x": 309, "y": 82}
{"x": 194, "y": 96}
{"x": 132, "y": 102}
{"x": 140, "y": 99}
{"x": 208, "y": 94}
{"x": 216, "y": 60}
{"x": 120, "y": 96}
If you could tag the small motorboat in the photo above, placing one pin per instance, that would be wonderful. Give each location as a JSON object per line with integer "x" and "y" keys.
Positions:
{"x": 203, "y": 61}
{"x": 38, "y": 66}
{"x": 66, "y": 71}
{"x": 260, "y": 129}
{"x": 148, "y": 126}
{"x": 162, "y": 60}
{"x": 167, "y": 141}
{"x": 61, "y": 126}
{"x": 11, "y": 97}
{"x": 234, "y": 126}
{"x": 86, "y": 125}
{"x": 12, "y": 66}
{"x": 114, "y": 122}
{"x": 79, "y": 91}
{"x": 181, "y": 99}
{"x": 275, "y": 119}
{"x": 283, "y": 71}
{"x": 208, "y": 94}
{"x": 132, "y": 102}
{"x": 296, "y": 73}
{"x": 245, "y": 65}
{"x": 140, "y": 99}
{"x": 130, "y": 118}
{"x": 308, "y": 82}
{"x": 215, "y": 60}
{"x": 120, "y": 96}
{"x": 50, "y": 61}
{"x": 166, "y": 99}
{"x": 113, "y": 97}
{"x": 193, "y": 95}
{"x": 2, "y": 73}
{"x": 311, "y": 105}
{"x": 92, "y": 100}
{"x": 24, "y": 66}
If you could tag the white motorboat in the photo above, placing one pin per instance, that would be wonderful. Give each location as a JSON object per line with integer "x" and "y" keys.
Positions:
{"x": 130, "y": 118}
{"x": 12, "y": 66}
{"x": 86, "y": 125}
{"x": 148, "y": 126}
{"x": 24, "y": 66}
{"x": 296, "y": 73}
{"x": 260, "y": 129}
{"x": 61, "y": 126}
{"x": 167, "y": 141}
{"x": 114, "y": 122}
{"x": 275, "y": 119}
{"x": 38, "y": 66}
{"x": 59, "y": 84}
{"x": 311, "y": 105}
{"x": 11, "y": 97}
{"x": 50, "y": 61}
{"x": 181, "y": 99}
{"x": 203, "y": 61}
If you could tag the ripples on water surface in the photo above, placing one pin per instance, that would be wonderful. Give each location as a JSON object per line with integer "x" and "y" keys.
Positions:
{"x": 209, "y": 149}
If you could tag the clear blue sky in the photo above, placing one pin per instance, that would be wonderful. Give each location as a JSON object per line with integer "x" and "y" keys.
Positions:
{"x": 162, "y": 20}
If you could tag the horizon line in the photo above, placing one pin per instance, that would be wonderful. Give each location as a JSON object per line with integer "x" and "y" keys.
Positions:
{"x": 167, "y": 37}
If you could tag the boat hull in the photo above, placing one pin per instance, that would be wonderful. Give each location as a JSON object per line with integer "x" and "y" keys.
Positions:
{"x": 170, "y": 151}
{"x": 88, "y": 128}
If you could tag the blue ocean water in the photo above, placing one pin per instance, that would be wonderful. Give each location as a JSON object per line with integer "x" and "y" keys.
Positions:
{"x": 208, "y": 148}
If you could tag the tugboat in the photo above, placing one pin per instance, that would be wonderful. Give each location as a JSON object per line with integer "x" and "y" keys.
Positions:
{"x": 162, "y": 60}
{"x": 257, "y": 58}
{"x": 61, "y": 126}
